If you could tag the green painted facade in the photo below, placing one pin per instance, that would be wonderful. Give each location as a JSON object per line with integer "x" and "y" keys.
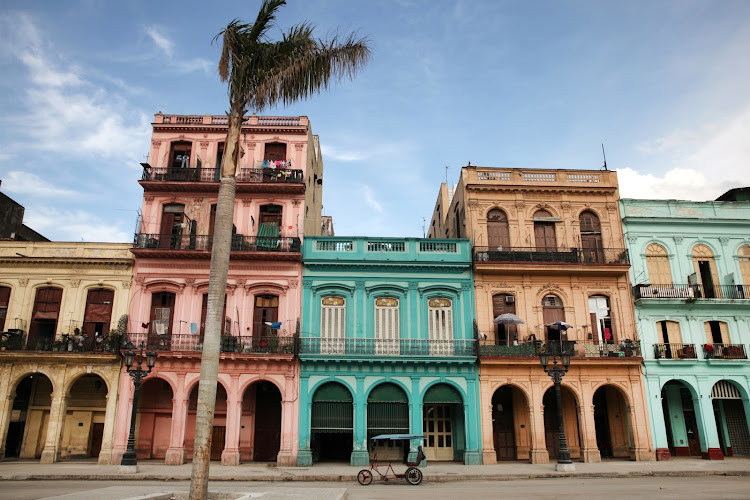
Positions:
{"x": 387, "y": 343}
{"x": 692, "y": 305}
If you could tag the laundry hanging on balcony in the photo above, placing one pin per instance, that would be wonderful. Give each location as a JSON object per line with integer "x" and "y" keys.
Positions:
{"x": 274, "y": 325}
{"x": 268, "y": 235}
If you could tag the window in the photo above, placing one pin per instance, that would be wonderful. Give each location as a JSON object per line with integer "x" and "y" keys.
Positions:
{"x": 98, "y": 314}
{"x": 591, "y": 237}
{"x": 162, "y": 312}
{"x": 440, "y": 324}
{"x": 498, "y": 235}
{"x": 602, "y": 326}
{"x": 4, "y": 301}
{"x": 744, "y": 258}
{"x": 332, "y": 325}
{"x": 204, "y": 312}
{"x": 275, "y": 151}
{"x": 657, "y": 265}
{"x": 552, "y": 311}
{"x": 173, "y": 222}
{"x": 670, "y": 341}
{"x": 44, "y": 318}
{"x": 269, "y": 224}
{"x": 266, "y": 311}
{"x": 386, "y": 325}
{"x": 705, "y": 268}
{"x": 716, "y": 332}
{"x": 179, "y": 154}
{"x": 504, "y": 304}
{"x": 544, "y": 231}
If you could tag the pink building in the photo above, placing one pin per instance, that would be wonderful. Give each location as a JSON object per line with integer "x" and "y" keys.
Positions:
{"x": 278, "y": 200}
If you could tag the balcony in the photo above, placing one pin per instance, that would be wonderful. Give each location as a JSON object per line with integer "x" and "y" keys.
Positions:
{"x": 553, "y": 256}
{"x": 274, "y": 180}
{"x": 194, "y": 343}
{"x": 386, "y": 347}
{"x": 191, "y": 246}
{"x": 724, "y": 351}
{"x": 691, "y": 292}
{"x": 575, "y": 348}
{"x": 17, "y": 340}
{"x": 675, "y": 351}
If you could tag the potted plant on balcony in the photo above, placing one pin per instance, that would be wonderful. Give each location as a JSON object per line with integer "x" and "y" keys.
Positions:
{"x": 708, "y": 349}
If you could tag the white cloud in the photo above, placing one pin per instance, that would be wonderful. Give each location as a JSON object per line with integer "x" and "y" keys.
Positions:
{"x": 161, "y": 41}
{"x": 368, "y": 196}
{"x": 28, "y": 183}
{"x": 73, "y": 225}
{"x": 167, "y": 46}
{"x": 678, "y": 183}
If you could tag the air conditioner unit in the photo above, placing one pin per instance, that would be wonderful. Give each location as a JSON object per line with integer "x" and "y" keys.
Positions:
{"x": 510, "y": 299}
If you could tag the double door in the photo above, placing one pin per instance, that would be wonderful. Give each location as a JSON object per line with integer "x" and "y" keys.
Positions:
{"x": 438, "y": 432}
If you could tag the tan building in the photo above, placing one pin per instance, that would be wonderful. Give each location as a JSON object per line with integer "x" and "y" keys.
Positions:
{"x": 59, "y": 352}
{"x": 548, "y": 247}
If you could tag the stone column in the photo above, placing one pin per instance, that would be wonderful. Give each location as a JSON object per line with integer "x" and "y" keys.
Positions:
{"x": 472, "y": 423}
{"x": 710, "y": 449}
{"x": 489, "y": 456}
{"x": 304, "y": 454}
{"x": 105, "y": 456}
{"x": 539, "y": 453}
{"x": 590, "y": 451}
{"x": 416, "y": 422}
{"x": 231, "y": 453}
{"x": 54, "y": 427}
{"x": 122, "y": 417}
{"x": 360, "y": 454}
{"x": 288, "y": 425}
{"x": 6, "y": 405}
{"x": 176, "y": 452}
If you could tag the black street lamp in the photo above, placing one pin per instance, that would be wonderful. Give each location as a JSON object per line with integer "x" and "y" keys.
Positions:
{"x": 138, "y": 374}
{"x": 557, "y": 372}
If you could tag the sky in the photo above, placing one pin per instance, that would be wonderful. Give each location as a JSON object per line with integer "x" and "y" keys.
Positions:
{"x": 525, "y": 84}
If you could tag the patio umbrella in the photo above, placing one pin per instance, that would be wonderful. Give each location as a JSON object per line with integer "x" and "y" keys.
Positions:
{"x": 508, "y": 319}
{"x": 560, "y": 325}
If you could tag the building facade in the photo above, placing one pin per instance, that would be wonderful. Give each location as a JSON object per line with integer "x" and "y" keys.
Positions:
{"x": 278, "y": 201}
{"x": 387, "y": 346}
{"x": 691, "y": 284}
{"x": 60, "y": 307}
{"x": 548, "y": 247}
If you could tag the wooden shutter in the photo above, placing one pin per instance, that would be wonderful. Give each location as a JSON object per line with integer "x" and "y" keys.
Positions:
{"x": 673, "y": 331}
{"x": 4, "y": 301}
{"x": 724, "y": 333}
{"x": 498, "y": 235}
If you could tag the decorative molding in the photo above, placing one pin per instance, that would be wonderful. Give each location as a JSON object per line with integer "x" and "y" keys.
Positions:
{"x": 502, "y": 284}
{"x": 198, "y": 200}
{"x": 611, "y": 207}
{"x": 140, "y": 280}
{"x": 632, "y": 238}
{"x": 466, "y": 286}
{"x": 251, "y": 145}
{"x": 296, "y": 203}
{"x": 293, "y": 283}
{"x": 359, "y": 284}
{"x": 413, "y": 285}
{"x": 473, "y": 204}
{"x": 148, "y": 199}
{"x": 520, "y": 205}
{"x": 678, "y": 239}
{"x": 156, "y": 144}
{"x": 126, "y": 284}
{"x": 190, "y": 282}
{"x": 307, "y": 283}
{"x": 241, "y": 282}
{"x": 298, "y": 146}
{"x": 231, "y": 289}
{"x": 246, "y": 202}
{"x": 724, "y": 240}
{"x": 565, "y": 205}
{"x": 75, "y": 283}
{"x": 204, "y": 144}
{"x": 23, "y": 282}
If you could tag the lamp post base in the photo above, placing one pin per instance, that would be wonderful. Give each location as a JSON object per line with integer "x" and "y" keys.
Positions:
{"x": 565, "y": 467}
{"x": 128, "y": 469}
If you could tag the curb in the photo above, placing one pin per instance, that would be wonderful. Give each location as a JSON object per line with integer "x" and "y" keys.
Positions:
{"x": 437, "y": 478}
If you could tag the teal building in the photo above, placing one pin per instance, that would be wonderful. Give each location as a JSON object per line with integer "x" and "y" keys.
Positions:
{"x": 691, "y": 286}
{"x": 387, "y": 346}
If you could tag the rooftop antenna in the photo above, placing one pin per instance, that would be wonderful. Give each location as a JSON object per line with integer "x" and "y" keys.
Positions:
{"x": 446, "y": 175}
{"x": 605, "y": 157}
{"x": 424, "y": 235}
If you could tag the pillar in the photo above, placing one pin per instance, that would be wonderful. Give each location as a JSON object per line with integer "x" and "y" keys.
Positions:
{"x": 658, "y": 425}
{"x": 54, "y": 427}
{"x": 472, "y": 456}
{"x": 360, "y": 454}
{"x": 6, "y": 405}
{"x": 176, "y": 452}
{"x": 590, "y": 451}
{"x": 231, "y": 453}
{"x": 122, "y": 417}
{"x": 489, "y": 456}
{"x": 416, "y": 423}
{"x": 304, "y": 454}
{"x": 105, "y": 456}
{"x": 288, "y": 424}
{"x": 704, "y": 414}
{"x": 539, "y": 453}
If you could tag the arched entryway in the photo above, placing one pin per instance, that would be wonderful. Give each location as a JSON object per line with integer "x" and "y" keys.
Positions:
{"x": 86, "y": 409}
{"x": 388, "y": 413}
{"x": 510, "y": 424}
{"x": 679, "y": 409}
{"x": 731, "y": 419}
{"x": 29, "y": 417}
{"x": 570, "y": 422}
{"x": 332, "y": 423}
{"x": 219, "y": 431}
{"x": 154, "y": 419}
{"x": 260, "y": 423}
{"x": 611, "y": 423}
{"x": 443, "y": 423}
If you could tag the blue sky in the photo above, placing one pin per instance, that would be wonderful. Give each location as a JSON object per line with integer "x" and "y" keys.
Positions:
{"x": 536, "y": 84}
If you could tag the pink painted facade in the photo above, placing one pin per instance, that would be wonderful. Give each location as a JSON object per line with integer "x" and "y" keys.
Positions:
{"x": 278, "y": 200}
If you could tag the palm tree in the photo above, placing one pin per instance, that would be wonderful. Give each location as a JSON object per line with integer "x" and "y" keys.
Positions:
{"x": 260, "y": 73}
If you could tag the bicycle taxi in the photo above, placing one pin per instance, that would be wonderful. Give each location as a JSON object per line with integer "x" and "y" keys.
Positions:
{"x": 412, "y": 474}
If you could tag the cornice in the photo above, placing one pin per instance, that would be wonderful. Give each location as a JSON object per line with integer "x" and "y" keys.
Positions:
{"x": 66, "y": 262}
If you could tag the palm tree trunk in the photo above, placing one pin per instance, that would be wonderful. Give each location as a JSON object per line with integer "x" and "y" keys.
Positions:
{"x": 217, "y": 286}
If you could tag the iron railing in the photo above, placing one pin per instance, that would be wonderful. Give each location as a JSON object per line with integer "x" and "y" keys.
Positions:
{"x": 203, "y": 242}
{"x": 682, "y": 291}
{"x": 19, "y": 341}
{"x": 541, "y": 254}
{"x": 387, "y": 347}
{"x": 194, "y": 342}
{"x": 256, "y": 175}
{"x": 575, "y": 348}
{"x": 675, "y": 351}
{"x": 724, "y": 351}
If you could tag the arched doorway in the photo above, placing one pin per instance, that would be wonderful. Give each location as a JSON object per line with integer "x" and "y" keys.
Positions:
{"x": 86, "y": 409}
{"x": 611, "y": 423}
{"x": 388, "y": 413}
{"x": 591, "y": 237}
{"x": 510, "y": 424}
{"x": 260, "y": 423}
{"x": 154, "y": 419}
{"x": 443, "y": 423}
{"x": 332, "y": 423}
{"x": 29, "y": 417}
{"x": 680, "y": 419}
{"x": 570, "y": 422}
{"x": 705, "y": 270}
{"x": 731, "y": 420}
{"x": 498, "y": 235}
{"x": 219, "y": 431}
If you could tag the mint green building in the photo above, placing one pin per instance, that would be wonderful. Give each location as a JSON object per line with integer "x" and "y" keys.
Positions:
{"x": 691, "y": 284}
{"x": 387, "y": 346}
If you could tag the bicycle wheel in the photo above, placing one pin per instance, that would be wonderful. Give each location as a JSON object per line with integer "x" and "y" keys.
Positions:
{"x": 365, "y": 477}
{"x": 413, "y": 476}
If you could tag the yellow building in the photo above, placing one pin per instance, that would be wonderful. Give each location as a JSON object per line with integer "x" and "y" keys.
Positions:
{"x": 548, "y": 247}
{"x": 59, "y": 353}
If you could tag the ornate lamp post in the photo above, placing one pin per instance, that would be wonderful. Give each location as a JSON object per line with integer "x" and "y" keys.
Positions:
{"x": 138, "y": 374}
{"x": 557, "y": 372}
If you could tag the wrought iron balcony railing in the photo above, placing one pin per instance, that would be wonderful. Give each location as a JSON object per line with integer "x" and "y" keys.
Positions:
{"x": 575, "y": 348}
{"x": 203, "y": 242}
{"x": 194, "y": 342}
{"x": 386, "y": 347}
{"x": 258, "y": 175}
{"x": 682, "y": 291}
{"x": 724, "y": 351}
{"x": 19, "y": 341}
{"x": 675, "y": 351}
{"x": 547, "y": 254}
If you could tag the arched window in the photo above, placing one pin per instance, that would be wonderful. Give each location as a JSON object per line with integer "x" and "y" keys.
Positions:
{"x": 332, "y": 324}
{"x": 440, "y": 325}
{"x": 386, "y": 325}
{"x": 504, "y": 303}
{"x": 591, "y": 237}
{"x": 552, "y": 311}
{"x": 4, "y": 301}
{"x": 744, "y": 258}
{"x": 162, "y": 312}
{"x": 544, "y": 231}
{"x": 657, "y": 265}
{"x": 265, "y": 311}
{"x": 498, "y": 235}
{"x": 705, "y": 269}
{"x": 670, "y": 341}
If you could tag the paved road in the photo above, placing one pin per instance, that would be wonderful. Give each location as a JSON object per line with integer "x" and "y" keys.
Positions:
{"x": 641, "y": 488}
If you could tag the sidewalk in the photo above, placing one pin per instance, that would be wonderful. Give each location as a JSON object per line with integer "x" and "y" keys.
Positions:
{"x": 437, "y": 472}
